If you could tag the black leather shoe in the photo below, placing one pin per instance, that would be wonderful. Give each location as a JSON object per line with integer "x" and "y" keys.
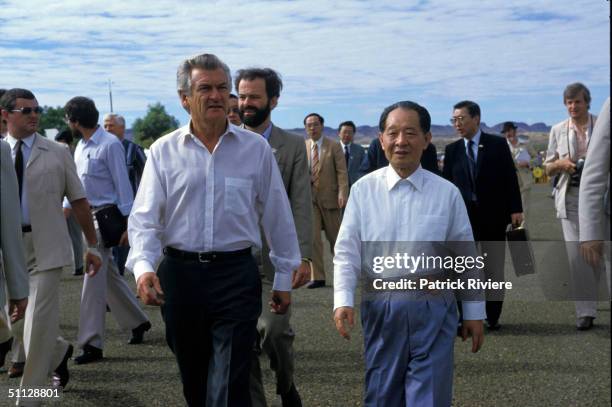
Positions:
{"x": 61, "y": 375}
{"x": 493, "y": 326}
{"x": 78, "y": 272}
{"x": 4, "y": 349}
{"x": 90, "y": 354}
{"x": 584, "y": 323}
{"x": 138, "y": 333}
{"x": 316, "y": 284}
{"x": 291, "y": 398}
{"x": 16, "y": 370}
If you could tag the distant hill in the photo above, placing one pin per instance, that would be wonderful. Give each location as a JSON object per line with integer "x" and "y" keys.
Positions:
{"x": 366, "y": 133}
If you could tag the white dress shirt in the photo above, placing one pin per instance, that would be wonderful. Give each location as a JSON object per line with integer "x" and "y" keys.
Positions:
{"x": 100, "y": 163}
{"x": 26, "y": 151}
{"x": 383, "y": 207}
{"x": 197, "y": 201}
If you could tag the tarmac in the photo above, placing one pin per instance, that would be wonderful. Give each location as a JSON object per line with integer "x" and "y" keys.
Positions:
{"x": 537, "y": 358}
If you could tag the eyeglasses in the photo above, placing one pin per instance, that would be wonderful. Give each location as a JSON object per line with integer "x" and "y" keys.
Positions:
{"x": 234, "y": 110}
{"x": 28, "y": 110}
{"x": 458, "y": 119}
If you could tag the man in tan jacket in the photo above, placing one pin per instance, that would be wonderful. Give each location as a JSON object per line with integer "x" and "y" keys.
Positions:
{"x": 329, "y": 182}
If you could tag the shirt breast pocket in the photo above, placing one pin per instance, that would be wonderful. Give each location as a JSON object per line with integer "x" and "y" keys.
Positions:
{"x": 238, "y": 195}
{"x": 95, "y": 167}
{"x": 433, "y": 227}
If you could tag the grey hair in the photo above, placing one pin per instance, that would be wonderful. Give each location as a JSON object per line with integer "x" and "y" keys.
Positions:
{"x": 207, "y": 62}
{"x": 117, "y": 118}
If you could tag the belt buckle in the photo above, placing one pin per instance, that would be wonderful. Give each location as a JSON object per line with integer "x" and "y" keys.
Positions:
{"x": 202, "y": 258}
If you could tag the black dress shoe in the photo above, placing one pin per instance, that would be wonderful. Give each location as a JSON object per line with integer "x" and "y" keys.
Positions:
{"x": 4, "y": 349}
{"x": 584, "y": 323}
{"x": 90, "y": 354}
{"x": 493, "y": 326}
{"x": 316, "y": 284}
{"x": 291, "y": 398}
{"x": 78, "y": 272}
{"x": 138, "y": 333}
{"x": 61, "y": 375}
{"x": 16, "y": 370}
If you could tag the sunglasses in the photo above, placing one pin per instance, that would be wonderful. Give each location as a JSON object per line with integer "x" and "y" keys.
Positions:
{"x": 29, "y": 110}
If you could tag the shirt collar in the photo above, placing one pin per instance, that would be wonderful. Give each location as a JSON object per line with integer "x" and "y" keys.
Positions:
{"x": 266, "y": 133}
{"x": 319, "y": 143}
{"x": 475, "y": 139}
{"x": 96, "y": 137}
{"x": 415, "y": 179}
{"x": 186, "y": 134}
{"x": 28, "y": 141}
{"x": 346, "y": 145}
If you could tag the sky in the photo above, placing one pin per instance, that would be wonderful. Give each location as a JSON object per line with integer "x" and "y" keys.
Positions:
{"x": 346, "y": 60}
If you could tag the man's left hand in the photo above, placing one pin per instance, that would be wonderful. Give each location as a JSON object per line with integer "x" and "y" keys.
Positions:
{"x": 17, "y": 309}
{"x": 280, "y": 301}
{"x": 301, "y": 276}
{"x": 124, "y": 239}
{"x": 341, "y": 202}
{"x": 475, "y": 329}
{"x": 517, "y": 219}
{"x": 592, "y": 251}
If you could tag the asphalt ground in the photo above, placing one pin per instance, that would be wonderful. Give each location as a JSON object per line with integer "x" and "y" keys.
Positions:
{"x": 536, "y": 359}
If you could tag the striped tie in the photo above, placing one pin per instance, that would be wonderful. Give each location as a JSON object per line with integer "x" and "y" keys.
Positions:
{"x": 314, "y": 178}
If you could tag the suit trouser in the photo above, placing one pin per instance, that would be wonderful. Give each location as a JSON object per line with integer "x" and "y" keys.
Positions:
{"x": 76, "y": 237}
{"x": 106, "y": 287}
{"x": 210, "y": 311}
{"x": 120, "y": 254}
{"x": 44, "y": 348}
{"x": 275, "y": 337}
{"x": 584, "y": 277}
{"x": 328, "y": 220}
{"x": 409, "y": 350}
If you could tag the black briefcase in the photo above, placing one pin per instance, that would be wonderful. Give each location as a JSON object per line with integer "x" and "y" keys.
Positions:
{"x": 520, "y": 250}
{"x": 111, "y": 224}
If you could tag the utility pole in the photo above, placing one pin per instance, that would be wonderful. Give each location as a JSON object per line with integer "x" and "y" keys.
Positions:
{"x": 110, "y": 95}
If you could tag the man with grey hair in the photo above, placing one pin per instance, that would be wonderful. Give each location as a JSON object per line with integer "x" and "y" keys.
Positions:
{"x": 567, "y": 150}
{"x": 135, "y": 160}
{"x": 205, "y": 191}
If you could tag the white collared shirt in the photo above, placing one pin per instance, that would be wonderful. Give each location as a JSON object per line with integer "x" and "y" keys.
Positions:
{"x": 26, "y": 151}
{"x": 197, "y": 201}
{"x": 100, "y": 163}
{"x": 384, "y": 207}
{"x": 319, "y": 144}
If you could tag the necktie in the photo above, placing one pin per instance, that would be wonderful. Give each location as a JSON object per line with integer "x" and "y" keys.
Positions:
{"x": 472, "y": 167}
{"x": 314, "y": 178}
{"x": 19, "y": 167}
{"x": 346, "y": 155}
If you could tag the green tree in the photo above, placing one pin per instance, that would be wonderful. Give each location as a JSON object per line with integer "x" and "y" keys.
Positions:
{"x": 155, "y": 124}
{"x": 52, "y": 118}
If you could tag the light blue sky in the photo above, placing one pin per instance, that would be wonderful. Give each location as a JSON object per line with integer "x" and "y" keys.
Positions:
{"x": 346, "y": 60}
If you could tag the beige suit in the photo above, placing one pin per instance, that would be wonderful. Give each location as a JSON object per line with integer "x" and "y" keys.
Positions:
{"x": 50, "y": 174}
{"x": 13, "y": 267}
{"x": 333, "y": 183}
{"x": 563, "y": 144}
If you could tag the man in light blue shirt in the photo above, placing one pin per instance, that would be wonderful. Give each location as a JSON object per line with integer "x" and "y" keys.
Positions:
{"x": 408, "y": 340}
{"x": 100, "y": 162}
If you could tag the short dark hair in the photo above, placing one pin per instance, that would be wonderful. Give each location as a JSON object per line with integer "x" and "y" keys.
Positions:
{"x": 9, "y": 99}
{"x": 321, "y": 120}
{"x": 82, "y": 110}
{"x": 424, "y": 117}
{"x": 274, "y": 84}
{"x": 349, "y": 124}
{"x": 232, "y": 96}
{"x": 472, "y": 107}
{"x": 65, "y": 136}
{"x": 574, "y": 89}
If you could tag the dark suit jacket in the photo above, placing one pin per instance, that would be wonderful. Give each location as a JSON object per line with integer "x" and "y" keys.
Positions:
{"x": 375, "y": 158}
{"x": 356, "y": 154}
{"x": 496, "y": 184}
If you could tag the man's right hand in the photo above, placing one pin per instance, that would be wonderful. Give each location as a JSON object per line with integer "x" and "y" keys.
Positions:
{"x": 566, "y": 165}
{"x": 149, "y": 289}
{"x": 342, "y": 314}
{"x": 17, "y": 309}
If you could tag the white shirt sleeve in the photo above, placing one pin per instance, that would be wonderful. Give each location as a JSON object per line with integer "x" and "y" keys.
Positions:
{"x": 145, "y": 224}
{"x": 347, "y": 258}
{"x": 277, "y": 223}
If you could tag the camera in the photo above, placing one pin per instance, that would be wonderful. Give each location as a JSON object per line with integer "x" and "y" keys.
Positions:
{"x": 575, "y": 177}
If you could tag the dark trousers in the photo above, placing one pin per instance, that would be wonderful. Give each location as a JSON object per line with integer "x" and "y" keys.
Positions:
{"x": 491, "y": 236}
{"x": 120, "y": 254}
{"x": 211, "y": 312}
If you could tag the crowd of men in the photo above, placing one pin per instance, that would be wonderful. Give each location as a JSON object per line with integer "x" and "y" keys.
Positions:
{"x": 225, "y": 217}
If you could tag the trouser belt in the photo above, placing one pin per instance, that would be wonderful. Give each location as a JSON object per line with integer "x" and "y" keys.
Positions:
{"x": 205, "y": 257}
